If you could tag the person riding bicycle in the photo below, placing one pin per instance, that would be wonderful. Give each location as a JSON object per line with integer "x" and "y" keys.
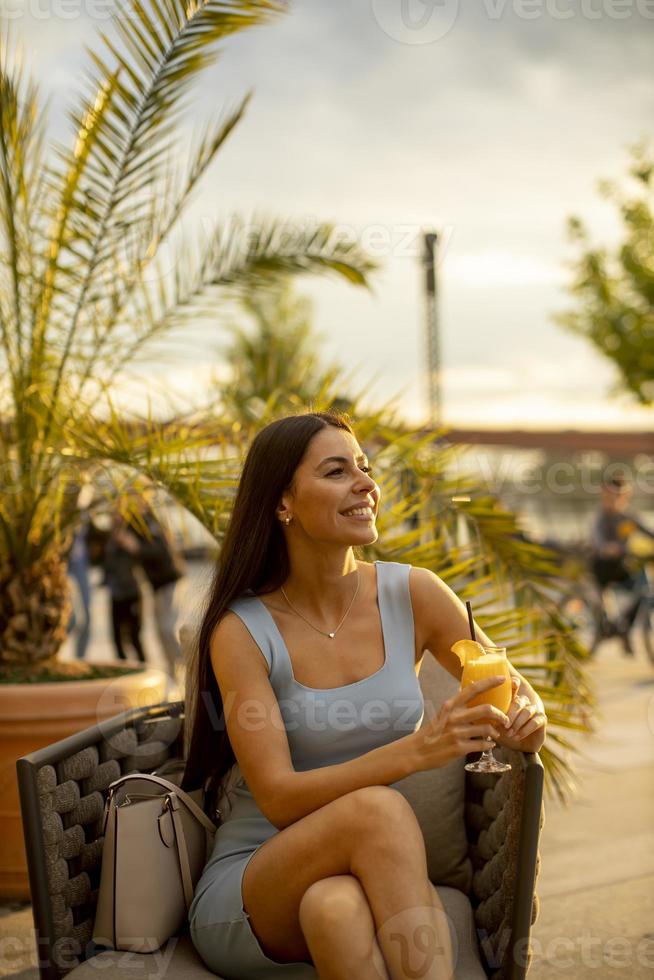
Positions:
{"x": 614, "y": 526}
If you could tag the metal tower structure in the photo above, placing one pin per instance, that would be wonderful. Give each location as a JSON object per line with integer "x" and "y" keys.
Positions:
{"x": 432, "y": 326}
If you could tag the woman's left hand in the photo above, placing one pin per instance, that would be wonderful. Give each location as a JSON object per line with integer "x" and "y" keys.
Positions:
{"x": 524, "y": 716}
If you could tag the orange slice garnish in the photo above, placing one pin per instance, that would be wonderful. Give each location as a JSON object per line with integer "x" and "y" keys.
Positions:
{"x": 467, "y": 650}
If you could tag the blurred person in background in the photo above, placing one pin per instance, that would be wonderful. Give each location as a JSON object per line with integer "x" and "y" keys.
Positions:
{"x": 78, "y": 570}
{"x": 165, "y": 570}
{"x": 151, "y": 546}
{"x": 614, "y": 531}
{"x": 120, "y": 578}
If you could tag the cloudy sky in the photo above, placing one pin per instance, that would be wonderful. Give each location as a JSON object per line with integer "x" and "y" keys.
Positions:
{"x": 489, "y": 121}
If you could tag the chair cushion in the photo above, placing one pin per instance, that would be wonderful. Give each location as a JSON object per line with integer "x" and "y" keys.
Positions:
{"x": 462, "y": 923}
{"x": 438, "y": 795}
{"x": 179, "y": 960}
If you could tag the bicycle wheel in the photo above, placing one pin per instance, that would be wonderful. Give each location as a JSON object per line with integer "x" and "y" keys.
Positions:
{"x": 586, "y": 618}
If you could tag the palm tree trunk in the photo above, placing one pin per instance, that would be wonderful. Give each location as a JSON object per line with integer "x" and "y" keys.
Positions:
{"x": 34, "y": 611}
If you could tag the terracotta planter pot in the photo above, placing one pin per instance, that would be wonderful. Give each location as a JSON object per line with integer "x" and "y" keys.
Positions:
{"x": 35, "y": 715}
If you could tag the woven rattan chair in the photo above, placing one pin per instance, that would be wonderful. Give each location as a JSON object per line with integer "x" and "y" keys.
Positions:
{"x": 63, "y": 788}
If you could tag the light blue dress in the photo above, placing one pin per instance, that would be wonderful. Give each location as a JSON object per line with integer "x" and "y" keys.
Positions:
{"x": 324, "y": 727}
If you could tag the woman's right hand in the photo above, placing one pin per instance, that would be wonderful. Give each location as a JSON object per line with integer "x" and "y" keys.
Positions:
{"x": 458, "y": 729}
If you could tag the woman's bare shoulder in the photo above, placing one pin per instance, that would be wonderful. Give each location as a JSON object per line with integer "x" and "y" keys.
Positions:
{"x": 230, "y": 624}
{"x": 439, "y": 615}
{"x": 232, "y": 643}
{"x": 426, "y": 588}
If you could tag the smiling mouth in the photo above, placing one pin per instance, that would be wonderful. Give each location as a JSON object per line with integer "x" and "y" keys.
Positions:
{"x": 360, "y": 513}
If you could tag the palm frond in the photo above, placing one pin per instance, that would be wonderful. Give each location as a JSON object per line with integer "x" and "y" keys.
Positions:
{"x": 123, "y": 287}
{"x": 124, "y": 134}
{"x": 244, "y": 255}
{"x": 21, "y": 137}
{"x": 191, "y": 458}
{"x": 241, "y": 257}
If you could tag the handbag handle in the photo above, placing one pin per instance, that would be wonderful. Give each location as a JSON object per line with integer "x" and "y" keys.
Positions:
{"x": 188, "y": 802}
{"x": 182, "y": 851}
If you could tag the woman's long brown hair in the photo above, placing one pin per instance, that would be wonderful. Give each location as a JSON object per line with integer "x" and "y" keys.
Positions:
{"x": 253, "y": 557}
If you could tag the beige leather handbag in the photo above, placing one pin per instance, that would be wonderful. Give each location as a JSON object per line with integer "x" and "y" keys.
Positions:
{"x": 157, "y": 841}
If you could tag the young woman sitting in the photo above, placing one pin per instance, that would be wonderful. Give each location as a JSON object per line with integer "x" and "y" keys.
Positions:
{"x": 307, "y": 679}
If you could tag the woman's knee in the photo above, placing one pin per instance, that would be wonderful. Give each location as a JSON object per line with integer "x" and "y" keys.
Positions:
{"x": 330, "y": 903}
{"x": 383, "y": 811}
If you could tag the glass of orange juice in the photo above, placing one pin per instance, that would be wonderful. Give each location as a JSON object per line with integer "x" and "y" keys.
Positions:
{"x": 493, "y": 662}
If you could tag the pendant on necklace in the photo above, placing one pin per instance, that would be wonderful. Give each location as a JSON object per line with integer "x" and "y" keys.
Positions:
{"x": 332, "y": 635}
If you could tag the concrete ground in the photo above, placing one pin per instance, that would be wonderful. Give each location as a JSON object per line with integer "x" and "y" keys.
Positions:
{"x": 597, "y": 880}
{"x": 596, "y": 885}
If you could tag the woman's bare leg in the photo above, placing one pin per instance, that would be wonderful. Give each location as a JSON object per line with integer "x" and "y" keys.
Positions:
{"x": 340, "y": 931}
{"x": 373, "y": 834}
{"x": 412, "y": 928}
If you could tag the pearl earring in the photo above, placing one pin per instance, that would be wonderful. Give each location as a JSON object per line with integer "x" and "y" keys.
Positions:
{"x": 287, "y": 520}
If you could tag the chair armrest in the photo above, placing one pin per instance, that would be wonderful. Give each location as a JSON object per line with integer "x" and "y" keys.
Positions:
{"x": 62, "y": 791}
{"x": 503, "y": 820}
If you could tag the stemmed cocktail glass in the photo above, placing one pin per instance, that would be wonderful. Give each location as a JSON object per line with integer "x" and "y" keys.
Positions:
{"x": 490, "y": 663}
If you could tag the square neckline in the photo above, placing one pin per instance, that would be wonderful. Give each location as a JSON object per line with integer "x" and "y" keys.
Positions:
{"x": 340, "y": 687}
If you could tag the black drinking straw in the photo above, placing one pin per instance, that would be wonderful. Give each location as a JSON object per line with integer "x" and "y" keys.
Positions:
{"x": 471, "y": 622}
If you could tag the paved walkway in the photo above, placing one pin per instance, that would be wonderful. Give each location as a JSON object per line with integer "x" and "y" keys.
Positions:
{"x": 597, "y": 880}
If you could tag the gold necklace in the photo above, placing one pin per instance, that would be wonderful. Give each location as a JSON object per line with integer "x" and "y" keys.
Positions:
{"x": 333, "y": 633}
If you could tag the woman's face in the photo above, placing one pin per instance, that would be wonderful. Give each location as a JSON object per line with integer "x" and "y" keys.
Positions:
{"x": 332, "y": 497}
